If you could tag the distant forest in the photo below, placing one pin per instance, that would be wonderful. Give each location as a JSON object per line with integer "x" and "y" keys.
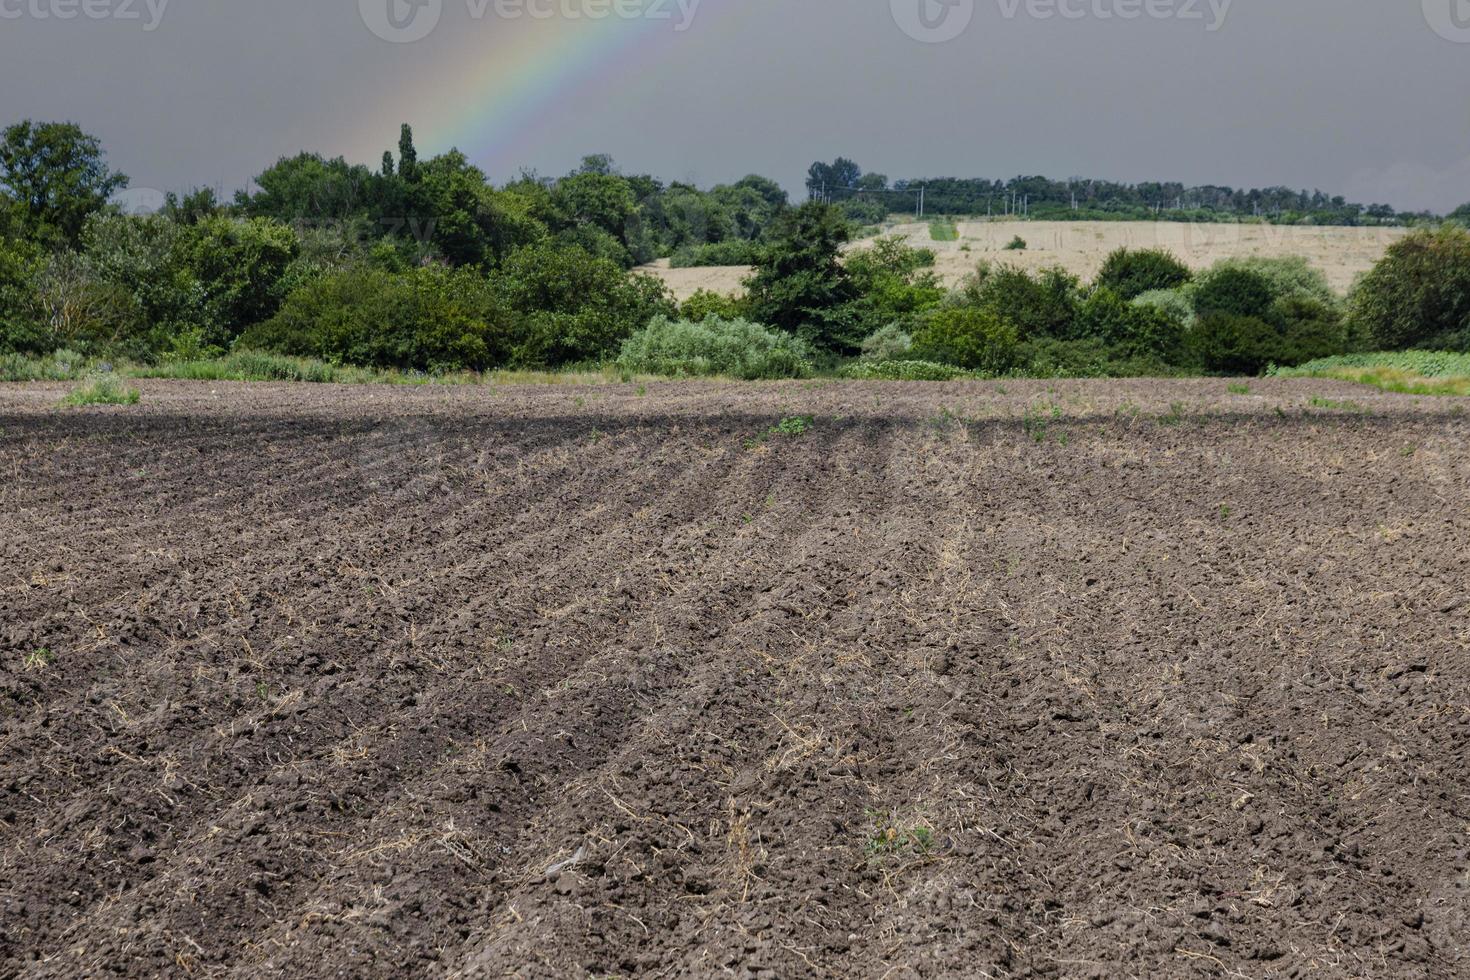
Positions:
{"x": 868, "y": 197}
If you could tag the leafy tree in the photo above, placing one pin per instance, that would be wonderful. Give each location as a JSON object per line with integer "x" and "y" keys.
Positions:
{"x": 467, "y": 221}
{"x": 1461, "y": 214}
{"x": 21, "y": 328}
{"x": 311, "y": 189}
{"x": 194, "y": 207}
{"x": 1132, "y": 273}
{"x": 1418, "y": 294}
{"x": 572, "y": 306}
{"x": 239, "y": 264}
{"x": 58, "y": 176}
{"x": 894, "y": 281}
{"x": 1228, "y": 343}
{"x": 840, "y": 174}
{"x": 800, "y": 284}
{"x": 1040, "y": 305}
{"x": 408, "y": 156}
{"x": 147, "y": 257}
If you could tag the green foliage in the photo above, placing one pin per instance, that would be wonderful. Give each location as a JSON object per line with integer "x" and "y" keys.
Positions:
{"x": 239, "y": 265}
{"x": 801, "y": 286}
{"x": 1227, "y": 343}
{"x": 21, "y": 326}
{"x": 1131, "y": 273}
{"x": 1040, "y": 305}
{"x": 1233, "y": 290}
{"x": 58, "y": 177}
{"x": 974, "y": 338}
{"x": 1129, "y": 328}
{"x": 903, "y": 371}
{"x": 890, "y": 343}
{"x": 1017, "y": 244}
{"x": 431, "y": 319}
{"x": 104, "y": 389}
{"x": 734, "y": 251}
{"x": 1461, "y": 214}
{"x": 893, "y": 282}
{"x": 1418, "y": 295}
{"x": 573, "y": 307}
{"x": 1411, "y": 372}
{"x": 706, "y": 303}
{"x": 1287, "y": 276}
{"x": 944, "y": 231}
{"x": 733, "y": 348}
{"x": 1052, "y": 358}
{"x": 1176, "y": 303}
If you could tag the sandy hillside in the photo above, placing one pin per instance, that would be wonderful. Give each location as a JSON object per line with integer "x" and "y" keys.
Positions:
{"x": 1081, "y": 247}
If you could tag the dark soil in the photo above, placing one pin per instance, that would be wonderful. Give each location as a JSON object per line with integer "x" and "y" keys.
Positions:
{"x": 1076, "y": 680}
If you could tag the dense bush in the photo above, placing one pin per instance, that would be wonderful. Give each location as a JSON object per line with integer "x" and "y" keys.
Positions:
{"x": 706, "y": 303}
{"x": 1040, "y": 305}
{"x": 903, "y": 371}
{"x": 735, "y": 251}
{"x": 734, "y": 348}
{"x": 1227, "y": 343}
{"x": 573, "y": 307}
{"x": 1176, "y": 303}
{"x": 890, "y": 343}
{"x": 21, "y": 327}
{"x": 1418, "y": 295}
{"x": 1233, "y": 290}
{"x": 431, "y": 319}
{"x": 240, "y": 265}
{"x": 1286, "y": 276}
{"x": 894, "y": 282}
{"x": 1136, "y": 330}
{"x": 970, "y": 337}
{"x": 1131, "y": 273}
{"x": 1050, "y": 358}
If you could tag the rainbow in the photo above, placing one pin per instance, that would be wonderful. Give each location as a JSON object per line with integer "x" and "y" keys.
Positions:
{"x": 503, "y": 88}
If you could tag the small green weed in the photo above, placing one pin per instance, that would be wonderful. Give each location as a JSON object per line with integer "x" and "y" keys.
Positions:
{"x": 891, "y": 838}
{"x": 1240, "y": 388}
{"x": 104, "y": 389}
{"x": 793, "y": 425}
{"x": 38, "y": 659}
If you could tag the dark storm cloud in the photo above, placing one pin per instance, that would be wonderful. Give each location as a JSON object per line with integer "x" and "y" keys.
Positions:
{"x": 1362, "y": 99}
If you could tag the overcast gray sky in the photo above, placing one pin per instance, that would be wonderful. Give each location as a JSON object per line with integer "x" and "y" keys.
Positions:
{"x": 1365, "y": 98}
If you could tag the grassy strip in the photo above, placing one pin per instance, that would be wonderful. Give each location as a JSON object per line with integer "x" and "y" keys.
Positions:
{"x": 944, "y": 231}
{"x": 1406, "y": 372}
{"x": 256, "y": 366}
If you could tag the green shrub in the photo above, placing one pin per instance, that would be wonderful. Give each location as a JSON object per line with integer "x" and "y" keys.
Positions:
{"x": 1234, "y": 291}
{"x": 894, "y": 282}
{"x": 104, "y": 389}
{"x": 734, "y": 251}
{"x": 239, "y": 265}
{"x": 1017, "y": 244}
{"x": 1286, "y": 276}
{"x": 1131, "y": 273}
{"x": 1176, "y": 303}
{"x": 890, "y": 343}
{"x": 1040, "y": 305}
{"x": 431, "y": 319}
{"x": 734, "y": 348}
{"x": 706, "y": 303}
{"x": 1419, "y": 294}
{"x": 22, "y": 329}
{"x": 1051, "y": 358}
{"x": 800, "y": 284}
{"x": 1230, "y": 344}
{"x": 1309, "y": 329}
{"x": 1135, "y": 330}
{"x": 903, "y": 371}
{"x": 572, "y": 307}
{"x": 969, "y": 337}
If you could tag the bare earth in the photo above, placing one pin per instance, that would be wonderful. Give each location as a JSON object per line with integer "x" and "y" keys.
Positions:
{"x": 1080, "y": 247}
{"x": 1071, "y": 679}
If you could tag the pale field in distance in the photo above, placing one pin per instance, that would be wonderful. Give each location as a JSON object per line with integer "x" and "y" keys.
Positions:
{"x": 1080, "y": 247}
